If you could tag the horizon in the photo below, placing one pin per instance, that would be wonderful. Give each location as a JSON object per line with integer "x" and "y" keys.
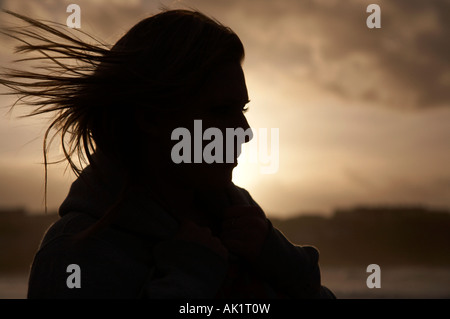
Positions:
{"x": 359, "y": 208}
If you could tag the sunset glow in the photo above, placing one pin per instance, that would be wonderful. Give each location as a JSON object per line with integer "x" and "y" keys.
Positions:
{"x": 362, "y": 114}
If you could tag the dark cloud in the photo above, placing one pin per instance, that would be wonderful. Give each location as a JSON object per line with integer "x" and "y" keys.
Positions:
{"x": 326, "y": 43}
{"x": 403, "y": 64}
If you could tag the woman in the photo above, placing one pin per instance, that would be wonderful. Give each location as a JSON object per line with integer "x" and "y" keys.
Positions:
{"x": 137, "y": 223}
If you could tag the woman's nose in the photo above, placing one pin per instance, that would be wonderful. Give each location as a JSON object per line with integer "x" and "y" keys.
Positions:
{"x": 243, "y": 123}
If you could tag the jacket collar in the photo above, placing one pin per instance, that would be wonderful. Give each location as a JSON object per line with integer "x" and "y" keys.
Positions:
{"x": 96, "y": 191}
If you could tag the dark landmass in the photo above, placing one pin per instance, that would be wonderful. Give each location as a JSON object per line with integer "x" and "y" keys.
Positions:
{"x": 358, "y": 236}
{"x": 381, "y": 235}
{"x": 20, "y": 236}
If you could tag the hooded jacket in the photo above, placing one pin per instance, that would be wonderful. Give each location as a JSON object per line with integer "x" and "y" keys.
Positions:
{"x": 139, "y": 256}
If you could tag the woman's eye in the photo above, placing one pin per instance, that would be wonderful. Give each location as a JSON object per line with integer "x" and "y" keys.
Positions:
{"x": 227, "y": 109}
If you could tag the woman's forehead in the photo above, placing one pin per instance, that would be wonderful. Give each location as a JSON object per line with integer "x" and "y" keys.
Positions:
{"x": 226, "y": 83}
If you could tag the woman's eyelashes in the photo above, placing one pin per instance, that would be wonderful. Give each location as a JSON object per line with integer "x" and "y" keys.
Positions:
{"x": 229, "y": 109}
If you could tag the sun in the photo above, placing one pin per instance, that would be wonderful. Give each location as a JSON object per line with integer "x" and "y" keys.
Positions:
{"x": 246, "y": 174}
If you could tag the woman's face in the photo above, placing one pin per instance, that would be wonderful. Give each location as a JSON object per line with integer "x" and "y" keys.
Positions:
{"x": 220, "y": 104}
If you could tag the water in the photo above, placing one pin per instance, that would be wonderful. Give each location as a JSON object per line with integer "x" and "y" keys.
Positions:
{"x": 345, "y": 282}
{"x": 396, "y": 282}
{"x": 13, "y": 286}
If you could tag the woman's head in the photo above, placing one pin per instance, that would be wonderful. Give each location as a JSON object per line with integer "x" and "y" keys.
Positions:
{"x": 166, "y": 71}
{"x": 175, "y": 67}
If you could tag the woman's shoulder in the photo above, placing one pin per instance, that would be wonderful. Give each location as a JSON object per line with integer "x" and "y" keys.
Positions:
{"x": 241, "y": 195}
{"x": 108, "y": 260}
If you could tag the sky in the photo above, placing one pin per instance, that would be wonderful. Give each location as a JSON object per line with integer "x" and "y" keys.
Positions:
{"x": 362, "y": 114}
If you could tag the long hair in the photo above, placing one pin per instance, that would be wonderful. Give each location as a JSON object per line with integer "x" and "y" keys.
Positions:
{"x": 93, "y": 90}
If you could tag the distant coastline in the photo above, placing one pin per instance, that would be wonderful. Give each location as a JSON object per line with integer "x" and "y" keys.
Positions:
{"x": 389, "y": 235}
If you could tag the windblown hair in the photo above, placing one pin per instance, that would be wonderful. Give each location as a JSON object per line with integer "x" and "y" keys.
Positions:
{"x": 92, "y": 90}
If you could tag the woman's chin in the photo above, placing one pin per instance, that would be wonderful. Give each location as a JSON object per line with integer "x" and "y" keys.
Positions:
{"x": 217, "y": 177}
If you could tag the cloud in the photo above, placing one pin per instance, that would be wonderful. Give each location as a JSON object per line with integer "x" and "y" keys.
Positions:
{"x": 322, "y": 43}
{"x": 22, "y": 185}
{"x": 403, "y": 64}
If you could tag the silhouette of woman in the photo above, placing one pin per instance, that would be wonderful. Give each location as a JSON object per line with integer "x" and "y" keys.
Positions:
{"x": 137, "y": 224}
